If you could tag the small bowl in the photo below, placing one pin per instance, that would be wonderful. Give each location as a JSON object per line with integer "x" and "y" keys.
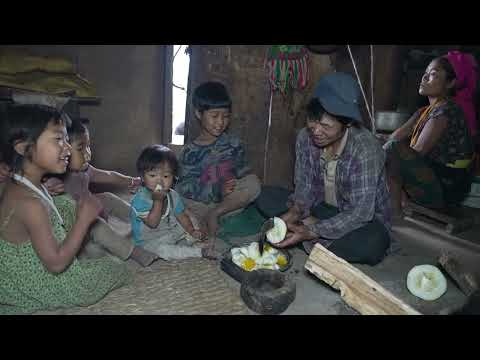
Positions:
{"x": 389, "y": 121}
{"x": 268, "y": 292}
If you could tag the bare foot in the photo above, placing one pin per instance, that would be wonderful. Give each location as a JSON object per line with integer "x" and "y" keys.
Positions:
{"x": 202, "y": 244}
{"x": 210, "y": 253}
{"x": 208, "y": 249}
{"x": 143, "y": 257}
{"x": 212, "y": 224}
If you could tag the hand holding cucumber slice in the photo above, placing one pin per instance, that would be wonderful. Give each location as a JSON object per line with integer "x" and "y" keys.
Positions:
{"x": 277, "y": 234}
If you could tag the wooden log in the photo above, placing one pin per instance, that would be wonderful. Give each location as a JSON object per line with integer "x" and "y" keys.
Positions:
{"x": 465, "y": 281}
{"x": 357, "y": 289}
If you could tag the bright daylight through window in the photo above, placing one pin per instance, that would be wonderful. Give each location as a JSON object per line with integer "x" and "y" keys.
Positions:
{"x": 181, "y": 63}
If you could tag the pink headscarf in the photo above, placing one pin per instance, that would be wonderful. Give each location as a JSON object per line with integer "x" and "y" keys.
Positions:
{"x": 465, "y": 68}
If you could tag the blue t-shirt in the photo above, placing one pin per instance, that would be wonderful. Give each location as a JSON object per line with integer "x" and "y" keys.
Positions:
{"x": 142, "y": 203}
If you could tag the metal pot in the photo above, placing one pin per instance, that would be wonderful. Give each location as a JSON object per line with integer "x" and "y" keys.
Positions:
{"x": 390, "y": 120}
{"x": 323, "y": 49}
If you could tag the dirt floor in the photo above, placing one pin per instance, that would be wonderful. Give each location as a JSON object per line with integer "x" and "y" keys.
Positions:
{"x": 313, "y": 297}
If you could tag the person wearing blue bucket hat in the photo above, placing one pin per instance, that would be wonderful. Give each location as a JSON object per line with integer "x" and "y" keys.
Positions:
{"x": 339, "y": 93}
{"x": 340, "y": 199}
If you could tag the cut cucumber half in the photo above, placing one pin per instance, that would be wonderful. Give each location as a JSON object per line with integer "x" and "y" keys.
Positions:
{"x": 426, "y": 282}
{"x": 278, "y": 232}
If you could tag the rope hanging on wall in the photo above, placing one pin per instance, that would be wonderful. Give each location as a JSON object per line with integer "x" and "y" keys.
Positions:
{"x": 372, "y": 86}
{"x": 287, "y": 68}
{"x": 371, "y": 114}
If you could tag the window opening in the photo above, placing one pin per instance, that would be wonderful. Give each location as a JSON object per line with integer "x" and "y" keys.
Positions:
{"x": 181, "y": 66}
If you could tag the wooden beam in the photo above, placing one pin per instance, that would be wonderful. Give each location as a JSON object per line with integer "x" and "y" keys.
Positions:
{"x": 453, "y": 225}
{"x": 411, "y": 208}
{"x": 357, "y": 289}
{"x": 465, "y": 281}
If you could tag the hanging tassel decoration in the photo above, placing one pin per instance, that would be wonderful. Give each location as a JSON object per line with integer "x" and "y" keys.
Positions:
{"x": 287, "y": 67}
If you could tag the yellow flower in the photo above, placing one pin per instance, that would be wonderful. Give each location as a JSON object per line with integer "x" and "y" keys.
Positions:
{"x": 249, "y": 264}
{"x": 282, "y": 261}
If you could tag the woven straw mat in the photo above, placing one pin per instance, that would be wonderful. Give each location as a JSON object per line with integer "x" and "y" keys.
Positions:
{"x": 187, "y": 287}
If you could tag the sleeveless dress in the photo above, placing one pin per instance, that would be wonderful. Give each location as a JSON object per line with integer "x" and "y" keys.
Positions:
{"x": 26, "y": 286}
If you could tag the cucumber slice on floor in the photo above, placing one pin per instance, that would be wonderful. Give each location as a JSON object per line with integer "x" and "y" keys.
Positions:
{"x": 426, "y": 282}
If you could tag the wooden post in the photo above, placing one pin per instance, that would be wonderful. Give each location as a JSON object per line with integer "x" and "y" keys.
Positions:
{"x": 357, "y": 289}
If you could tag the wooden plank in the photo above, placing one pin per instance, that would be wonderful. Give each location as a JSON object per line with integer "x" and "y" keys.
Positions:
{"x": 357, "y": 289}
{"x": 412, "y": 207}
{"x": 453, "y": 224}
{"x": 459, "y": 225}
{"x": 465, "y": 281}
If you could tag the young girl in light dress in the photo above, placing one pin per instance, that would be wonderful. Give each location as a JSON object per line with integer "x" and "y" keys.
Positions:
{"x": 40, "y": 237}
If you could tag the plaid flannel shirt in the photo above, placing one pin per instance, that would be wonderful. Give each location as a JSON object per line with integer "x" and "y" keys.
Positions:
{"x": 360, "y": 183}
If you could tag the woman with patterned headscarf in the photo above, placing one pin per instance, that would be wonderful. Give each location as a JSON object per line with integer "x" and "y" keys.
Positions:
{"x": 430, "y": 156}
